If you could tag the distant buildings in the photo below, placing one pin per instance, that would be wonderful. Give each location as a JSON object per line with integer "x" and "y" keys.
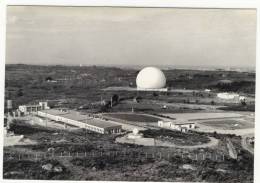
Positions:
{"x": 228, "y": 96}
{"x": 231, "y": 96}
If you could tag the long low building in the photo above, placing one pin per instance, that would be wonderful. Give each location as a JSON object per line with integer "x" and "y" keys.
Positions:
{"x": 180, "y": 126}
{"x": 75, "y": 118}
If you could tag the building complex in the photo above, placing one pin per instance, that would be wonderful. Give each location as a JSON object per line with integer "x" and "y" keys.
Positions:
{"x": 70, "y": 117}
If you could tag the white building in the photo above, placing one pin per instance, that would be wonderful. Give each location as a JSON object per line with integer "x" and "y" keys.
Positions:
{"x": 174, "y": 125}
{"x": 27, "y": 109}
{"x": 228, "y": 96}
{"x": 69, "y": 117}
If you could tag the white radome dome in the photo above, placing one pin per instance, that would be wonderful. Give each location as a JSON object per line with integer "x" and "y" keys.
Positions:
{"x": 150, "y": 78}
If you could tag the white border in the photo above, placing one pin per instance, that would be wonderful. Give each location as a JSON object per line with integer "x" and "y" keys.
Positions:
{"x": 142, "y": 3}
{"x": 2, "y": 80}
{"x": 132, "y": 3}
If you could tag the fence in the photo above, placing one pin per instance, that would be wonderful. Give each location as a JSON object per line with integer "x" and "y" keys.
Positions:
{"x": 116, "y": 154}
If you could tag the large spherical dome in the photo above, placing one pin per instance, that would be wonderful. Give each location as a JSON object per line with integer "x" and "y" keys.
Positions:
{"x": 150, "y": 78}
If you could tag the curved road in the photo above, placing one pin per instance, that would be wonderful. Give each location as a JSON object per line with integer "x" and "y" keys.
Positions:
{"x": 151, "y": 142}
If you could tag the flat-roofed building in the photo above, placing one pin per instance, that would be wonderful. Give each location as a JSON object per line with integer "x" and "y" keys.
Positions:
{"x": 75, "y": 118}
{"x": 175, "y": 125}
{"x": 27, "y": 109}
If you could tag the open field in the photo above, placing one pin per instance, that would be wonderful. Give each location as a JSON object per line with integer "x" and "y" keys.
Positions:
{"x": 133, "y": 117}
{"x": 228, "y": 124}
{"x": 204, "y": 116}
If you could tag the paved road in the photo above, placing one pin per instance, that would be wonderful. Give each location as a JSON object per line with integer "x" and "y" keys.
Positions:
{"x": 151, "y": 142}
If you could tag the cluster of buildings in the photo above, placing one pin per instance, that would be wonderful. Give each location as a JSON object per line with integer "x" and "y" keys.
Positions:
{"x": 97, "y": 124}
{"x": 66, "y": 117}
{"x": 86, "y": 121}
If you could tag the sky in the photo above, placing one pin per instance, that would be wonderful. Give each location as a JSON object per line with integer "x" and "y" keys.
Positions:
{"x": 131, "y": 36}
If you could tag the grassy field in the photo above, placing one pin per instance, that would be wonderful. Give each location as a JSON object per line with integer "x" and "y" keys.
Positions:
{"x": 228, "y": 124}
{"x": 133, "y": 117}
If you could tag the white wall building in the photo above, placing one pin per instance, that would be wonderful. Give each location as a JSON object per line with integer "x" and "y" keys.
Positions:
{"x": 74, "y": 118}
{"x": 183, "y": 127}
{"x": 27, "y": 109}
{"x": 228, "y": 96}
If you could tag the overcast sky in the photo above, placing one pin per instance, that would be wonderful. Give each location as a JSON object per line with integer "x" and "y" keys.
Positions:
{"x": 130, "y": 36}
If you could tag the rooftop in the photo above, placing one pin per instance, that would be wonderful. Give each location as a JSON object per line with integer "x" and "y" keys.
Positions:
{"x": 77, "y": 116}
{"x": 31, "y": 105}
{"x": 178, "y": 122}
{"x": 54, "y": 112}
{"x": 101, "y": 123}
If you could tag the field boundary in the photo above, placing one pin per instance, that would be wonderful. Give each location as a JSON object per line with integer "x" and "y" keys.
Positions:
{"x": 201, "y": 156}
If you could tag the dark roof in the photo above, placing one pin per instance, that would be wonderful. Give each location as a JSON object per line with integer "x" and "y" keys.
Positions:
{"x": 77, "y": 116}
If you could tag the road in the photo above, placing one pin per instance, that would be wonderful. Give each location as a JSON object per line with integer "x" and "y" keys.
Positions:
{"x": 151, "y": 142}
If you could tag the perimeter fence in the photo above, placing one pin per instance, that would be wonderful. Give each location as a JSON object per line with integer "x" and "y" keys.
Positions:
{"x": 117, "y": 155}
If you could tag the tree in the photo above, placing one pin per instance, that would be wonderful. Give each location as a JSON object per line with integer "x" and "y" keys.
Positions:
{"x": 20, "y": 92}
{"x": 155, "y": 94}
{"x": 48, "y": 78}
{"x": 243, "y": 102}
{"x": 115, "y": 99}
{"x": 137, "y": 99}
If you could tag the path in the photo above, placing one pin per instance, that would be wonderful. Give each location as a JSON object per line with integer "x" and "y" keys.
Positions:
{"x": 152, "y": 142}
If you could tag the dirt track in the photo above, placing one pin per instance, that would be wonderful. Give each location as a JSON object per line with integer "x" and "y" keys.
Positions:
{"x": 151, "y": 142}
